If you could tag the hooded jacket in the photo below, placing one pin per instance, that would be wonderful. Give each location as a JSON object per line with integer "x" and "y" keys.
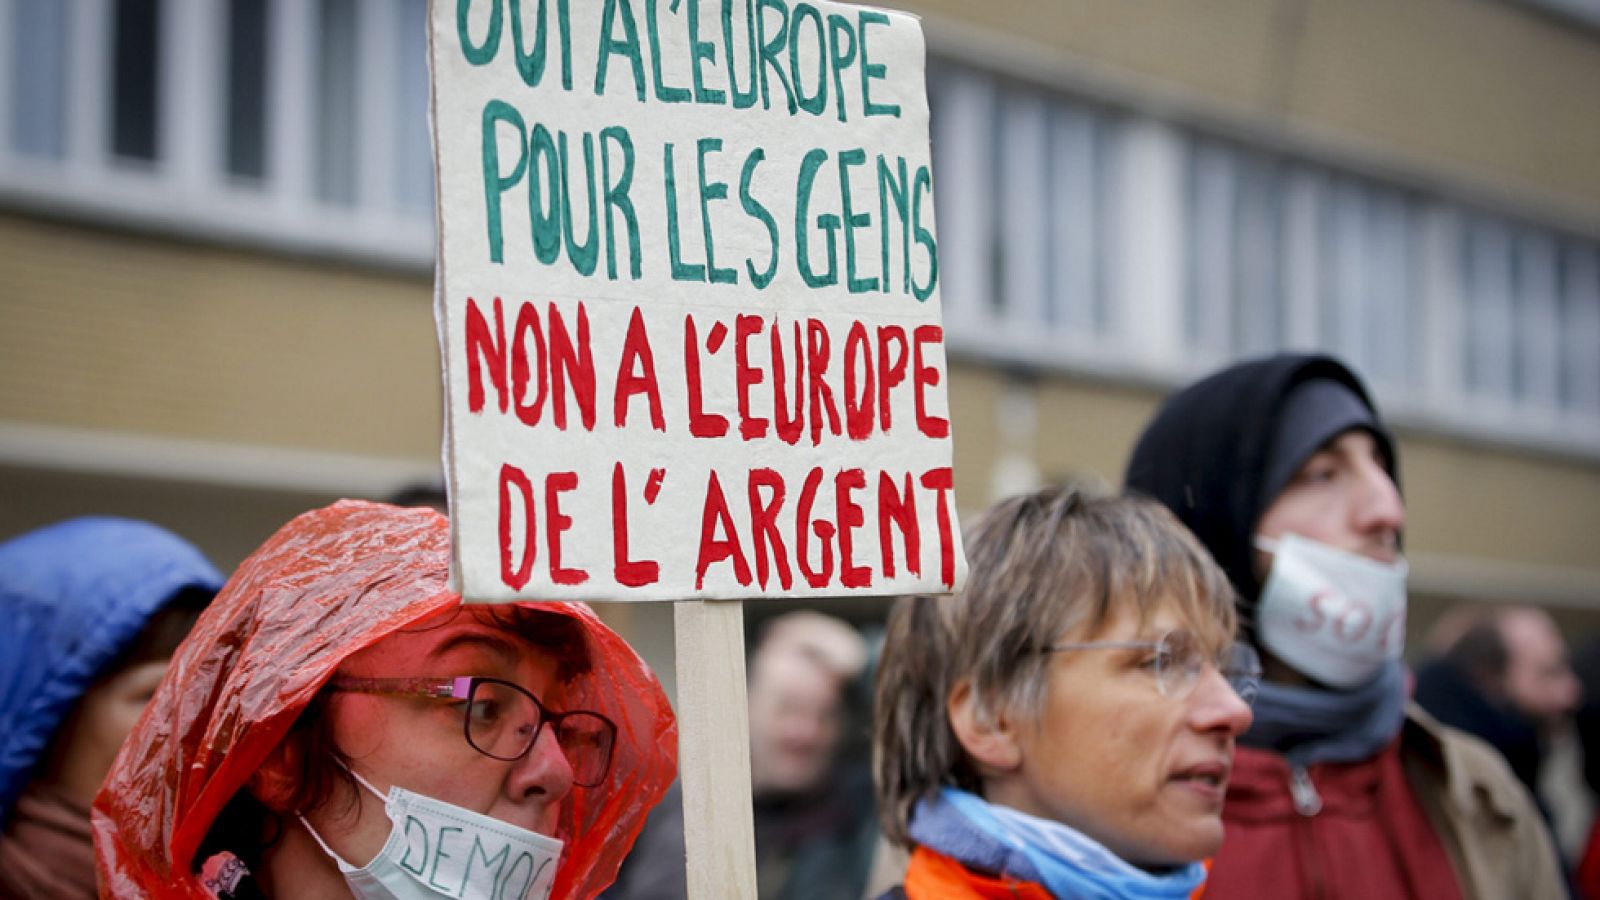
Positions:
{"x": 73, "y": 596}
{"x": 329, "y": 583}
{"x": 1204, "y": 453}
{"x": 1434, "y": 802}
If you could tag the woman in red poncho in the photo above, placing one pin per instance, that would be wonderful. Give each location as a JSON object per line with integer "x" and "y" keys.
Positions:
{"x": 340, "y": 724}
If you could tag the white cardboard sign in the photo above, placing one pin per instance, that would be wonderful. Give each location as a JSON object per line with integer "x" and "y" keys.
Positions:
{"x": 688, "y": 301}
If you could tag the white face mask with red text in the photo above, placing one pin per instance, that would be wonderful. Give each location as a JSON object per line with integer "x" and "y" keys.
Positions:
{"x": 1333, "y": 615}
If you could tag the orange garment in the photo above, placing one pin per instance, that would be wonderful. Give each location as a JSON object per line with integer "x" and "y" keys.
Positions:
{"x": 934, "y": 876}
{"x": 327, "y": 584}
{"x": 1201, "y": 890}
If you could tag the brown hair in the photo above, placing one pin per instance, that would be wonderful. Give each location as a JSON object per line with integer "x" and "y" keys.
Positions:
{"x": 1040, "y": 565}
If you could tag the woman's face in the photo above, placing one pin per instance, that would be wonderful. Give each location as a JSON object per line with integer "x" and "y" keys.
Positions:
{"x": 420, "y": 744}
{"x": 94, "y": 732}
{"x": 1110, "y": 755}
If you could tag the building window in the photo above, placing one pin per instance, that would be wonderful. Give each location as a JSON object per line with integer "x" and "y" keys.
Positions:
{"x": 135, "y": 72}
{"x": 336, "y": 101}
{"x": 1071, "y": 234}
{"x": 1580, "y": 328}
{"x": 247, "y": 88}
{"x": 303, "y": 123}
{"x": 1235, "y": 268}
{"x": 1022, "y": 187}
{"x": 39, "y": 79}
{"x": 413, "y": 174}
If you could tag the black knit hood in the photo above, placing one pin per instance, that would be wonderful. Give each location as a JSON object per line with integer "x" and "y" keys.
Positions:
{"x": 1206, "y": 453}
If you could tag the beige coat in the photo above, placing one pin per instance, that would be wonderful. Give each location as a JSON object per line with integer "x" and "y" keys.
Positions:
{"x": 1497, "y": 841}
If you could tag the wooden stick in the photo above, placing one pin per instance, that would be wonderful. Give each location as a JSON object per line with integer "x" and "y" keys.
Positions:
{"x": 714, "y": 749}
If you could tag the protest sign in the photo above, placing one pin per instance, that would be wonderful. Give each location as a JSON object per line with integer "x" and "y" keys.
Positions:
{"x": 688, "y": 301}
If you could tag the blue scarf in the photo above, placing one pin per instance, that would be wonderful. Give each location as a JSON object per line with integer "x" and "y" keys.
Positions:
{"x": 1312, "y": 725}
{"x": 1068, "y": 863}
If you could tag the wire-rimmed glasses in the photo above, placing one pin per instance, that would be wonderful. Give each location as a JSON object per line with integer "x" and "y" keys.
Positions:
{"x": 503, "y": 721}
{"x": 1179, "y": 659}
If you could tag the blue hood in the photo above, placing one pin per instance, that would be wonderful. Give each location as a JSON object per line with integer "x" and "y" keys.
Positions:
{"x": 73, "y": 596}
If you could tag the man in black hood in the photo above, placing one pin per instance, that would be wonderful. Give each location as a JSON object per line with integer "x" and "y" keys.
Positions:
{"x": 1342, "y": 788}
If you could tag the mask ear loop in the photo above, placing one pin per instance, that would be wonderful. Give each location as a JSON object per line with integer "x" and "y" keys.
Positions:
{"x": 320, "y": 842}
{"x": 362, "y": 781}
{"x": 313, "y": 832}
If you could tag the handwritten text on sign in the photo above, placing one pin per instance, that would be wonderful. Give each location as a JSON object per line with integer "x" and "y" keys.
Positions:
{"x": 689, "y": 300}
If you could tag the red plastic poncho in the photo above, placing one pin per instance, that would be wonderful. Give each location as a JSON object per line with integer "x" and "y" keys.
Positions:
{"x": 326, "y": 585}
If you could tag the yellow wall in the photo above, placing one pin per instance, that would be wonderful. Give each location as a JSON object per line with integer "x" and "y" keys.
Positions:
{"x": 1493, "y": 505}
{"x": 111, "y": 330}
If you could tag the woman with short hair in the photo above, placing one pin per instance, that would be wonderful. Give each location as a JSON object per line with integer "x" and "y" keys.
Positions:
{"x": 1064, "y": 725}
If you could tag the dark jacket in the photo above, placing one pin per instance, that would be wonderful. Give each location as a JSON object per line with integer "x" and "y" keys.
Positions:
{"x": 817, "y": 846}
{"x": 1450, "y": 696}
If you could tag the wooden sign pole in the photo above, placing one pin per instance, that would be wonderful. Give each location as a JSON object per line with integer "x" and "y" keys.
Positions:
{"x": 714, "y": 749}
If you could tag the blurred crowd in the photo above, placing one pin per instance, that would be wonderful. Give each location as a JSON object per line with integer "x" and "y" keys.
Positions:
{"x": 1195, "y": 687}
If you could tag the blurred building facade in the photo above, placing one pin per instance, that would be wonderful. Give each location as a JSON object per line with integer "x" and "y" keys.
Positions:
{"x": 216, "y": 247}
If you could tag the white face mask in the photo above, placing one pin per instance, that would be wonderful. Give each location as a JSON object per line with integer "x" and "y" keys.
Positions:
{"x": 436, "y": 849}
{"x": 1333, "y": 615}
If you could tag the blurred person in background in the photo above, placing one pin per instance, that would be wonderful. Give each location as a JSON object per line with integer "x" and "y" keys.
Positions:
{"x": 1461, "y": 683}
{"x": 813, "y": 816}
{"x": 342, "y": 724}
{"x": 1063, "y": 726}
{"x": 1342, "y": 787}
{"x": 1507, "y": 678}
{"x": 92, "y": 610}
{"x": 1540, "y": 682}
{"x": 814, "y": 823}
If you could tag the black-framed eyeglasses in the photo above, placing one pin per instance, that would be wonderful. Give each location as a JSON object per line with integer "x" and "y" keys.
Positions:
{"x": 503, "y": 721}
{"x": 1179, "y": 660}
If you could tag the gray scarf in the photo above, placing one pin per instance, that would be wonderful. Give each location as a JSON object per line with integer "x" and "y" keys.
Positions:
{"x": 1312, "y": 725}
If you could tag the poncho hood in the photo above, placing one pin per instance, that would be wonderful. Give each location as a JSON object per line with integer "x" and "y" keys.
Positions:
{"x": 328, "y": 584}
{"x": 73, "y": 596}
{"x": 1206, "y": 452}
